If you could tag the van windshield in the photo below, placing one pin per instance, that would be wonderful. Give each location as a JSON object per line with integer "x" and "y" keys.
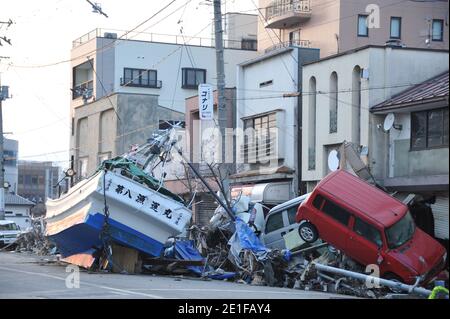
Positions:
{"x": 11, "y": 226}
{"x": 400, "y": 232}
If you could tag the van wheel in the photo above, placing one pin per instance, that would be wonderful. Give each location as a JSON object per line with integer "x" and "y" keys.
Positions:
{"x": 308, "y": 232}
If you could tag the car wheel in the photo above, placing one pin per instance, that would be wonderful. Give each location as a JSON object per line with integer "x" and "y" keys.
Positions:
{"x": 308, "y": 232}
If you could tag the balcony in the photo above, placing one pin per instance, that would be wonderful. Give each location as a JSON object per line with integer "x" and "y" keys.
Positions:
{"x": 284, "y": 14}
{"x": 288, "y": 44}
{"x": 151, "y": 84}
{"x": 84, "y": 90}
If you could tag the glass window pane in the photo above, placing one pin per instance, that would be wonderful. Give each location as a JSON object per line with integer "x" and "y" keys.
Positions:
{"x": 438, "y": 30}
{"x": 274, "y": 222}
{"x": 128, "y": 75}
{"x": 144, "y": 78}
{"x": 435, "y": 129}
{"x": 317, "y": 202}
{"x": 152, "y": 77}
{"x": 336, "y": 212}
{"x": 135, "y": 77}
{"x": 362, "y": 26}
{"x": 368, "y": 232}
{"x": 395, "y": 28}
{"x": 190, "y": 79}
{"x": 291, "y": 214}
{"x": 200, "y": 76}
{"x": 418, "y": 130}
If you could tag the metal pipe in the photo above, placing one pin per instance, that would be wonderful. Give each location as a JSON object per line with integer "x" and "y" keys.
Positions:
{"x": 381, "y": 281}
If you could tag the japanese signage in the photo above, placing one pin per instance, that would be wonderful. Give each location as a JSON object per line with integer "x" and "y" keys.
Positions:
{"x": 146, "y": 200}
{"x": 206, "y": 101}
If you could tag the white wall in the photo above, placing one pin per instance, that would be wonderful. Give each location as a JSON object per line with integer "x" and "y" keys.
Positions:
{"x": 280, "y": 69}
{"x": 391, "y": 71}
{"x": 23, "y": 221}
{"x": 165, "y": 58}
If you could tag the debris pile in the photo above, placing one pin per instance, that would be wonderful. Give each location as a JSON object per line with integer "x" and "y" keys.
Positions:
{"x": 33, "y": 240}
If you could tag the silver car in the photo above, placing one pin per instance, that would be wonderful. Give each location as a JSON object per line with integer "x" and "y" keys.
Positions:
{"x": 279, "y": 221}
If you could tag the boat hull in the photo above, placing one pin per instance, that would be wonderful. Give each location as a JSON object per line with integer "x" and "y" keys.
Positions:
{"x": 139, "y": 217}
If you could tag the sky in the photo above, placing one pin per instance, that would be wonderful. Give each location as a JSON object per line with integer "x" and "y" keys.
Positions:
{"x": 37, "y": 115}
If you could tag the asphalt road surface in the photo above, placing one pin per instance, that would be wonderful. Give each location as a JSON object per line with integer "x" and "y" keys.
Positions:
{"x": 27, "y": 276}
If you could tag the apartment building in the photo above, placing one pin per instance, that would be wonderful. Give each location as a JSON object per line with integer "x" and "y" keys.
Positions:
{"x": 38, "y": 180}
{"x": 125, "y": 85}
{"x": 341, "y": 25}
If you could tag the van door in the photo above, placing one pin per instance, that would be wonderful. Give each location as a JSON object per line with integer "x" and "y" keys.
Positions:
{"x": 275, "y": 229}
{"x": 332, "y": 222}
{"x": 364, "y": 242}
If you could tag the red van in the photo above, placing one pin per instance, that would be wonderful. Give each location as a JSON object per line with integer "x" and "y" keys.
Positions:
{"x": 371, "y": 227}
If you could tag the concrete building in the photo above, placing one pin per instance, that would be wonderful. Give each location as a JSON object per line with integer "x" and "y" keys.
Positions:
{"x": 11, "y": 151}
{"x": 338, "y": 92}
{"x": 18, "y": 209}
{"x": 240, "y": 30}
{"x": 269, "y": 115}
{"x": 340, "y": 25}
{"x": 202, "y": 143}
{"x": 415, "y": 149}
{"x": 37, "y": 180}
{"x": 125, "y": 86}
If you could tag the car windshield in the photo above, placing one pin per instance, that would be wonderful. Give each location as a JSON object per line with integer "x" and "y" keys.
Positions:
{"x": 11, "y": 226}
{"x": 400, "y": 232}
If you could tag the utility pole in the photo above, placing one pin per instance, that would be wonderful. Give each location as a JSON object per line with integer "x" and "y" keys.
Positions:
{"x": 221, "y": 105}
{"x": 3, "y": 96}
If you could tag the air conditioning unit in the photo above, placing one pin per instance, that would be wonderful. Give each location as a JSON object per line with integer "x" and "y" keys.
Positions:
{"x": 110, "y": 35}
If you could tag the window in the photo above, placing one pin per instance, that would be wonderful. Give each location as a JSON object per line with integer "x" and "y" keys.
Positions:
{"x": 333, "y": 102}
{"x": 292, "y": 212}
{"x": 396, "y": 27}
{"x": 193, "y": 77}
{"x": 368, "y": 232}
{"x": 337, "y": 213}
{"x": 317, "y": 202}
{"x": 363, "y": 30}
{"x": 312, "y": 124}
{"x": 274, "y": 222}
{"x": 260, "y": 138}
{"x": 437, "y": 30}
{"x": 140, "y": 78}
{"x": 429, "y": 129}
{"x": 249, "y": 44}
{"x": 294, "y": 37}
{"x": 83, "y": 80}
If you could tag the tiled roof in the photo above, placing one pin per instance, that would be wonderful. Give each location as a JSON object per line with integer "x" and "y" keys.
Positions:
{"x": 14, "y": 199}
{"x": 433, "y": 89}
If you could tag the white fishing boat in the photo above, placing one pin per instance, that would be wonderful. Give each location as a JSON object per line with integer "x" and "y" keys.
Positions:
{"x": 142, "y": 214}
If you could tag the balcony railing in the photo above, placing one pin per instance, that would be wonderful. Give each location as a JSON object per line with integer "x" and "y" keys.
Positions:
{"x": 153, "y": 84}
{"x": 288, "y": 44}
{"x": 286, "y": 13}
{"x": 84, "y": 89}
{"x": 118, "y": 35}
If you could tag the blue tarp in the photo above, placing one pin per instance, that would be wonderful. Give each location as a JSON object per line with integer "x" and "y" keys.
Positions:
{"x": 185, "y": 250}
{"x": 245, "y": 239}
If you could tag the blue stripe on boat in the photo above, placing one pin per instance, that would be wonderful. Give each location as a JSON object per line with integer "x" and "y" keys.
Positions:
{"x": 82, "y": 237}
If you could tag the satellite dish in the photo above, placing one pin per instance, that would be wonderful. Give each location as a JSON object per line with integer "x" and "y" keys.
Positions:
{"x": 389, "y": 121}
{"x": 333, "y": 160}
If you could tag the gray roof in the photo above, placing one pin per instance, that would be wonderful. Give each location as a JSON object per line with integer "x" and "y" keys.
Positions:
{"x": 14, "y": 199}
{"x": 434, "y": 89}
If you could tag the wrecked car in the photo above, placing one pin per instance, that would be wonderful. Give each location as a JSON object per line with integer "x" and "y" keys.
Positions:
{"x": 370, "y": 227}
{"x": 280, "y": 221}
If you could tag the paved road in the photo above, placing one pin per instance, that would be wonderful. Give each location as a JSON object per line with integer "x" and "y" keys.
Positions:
{"x": 28, "y": 276}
